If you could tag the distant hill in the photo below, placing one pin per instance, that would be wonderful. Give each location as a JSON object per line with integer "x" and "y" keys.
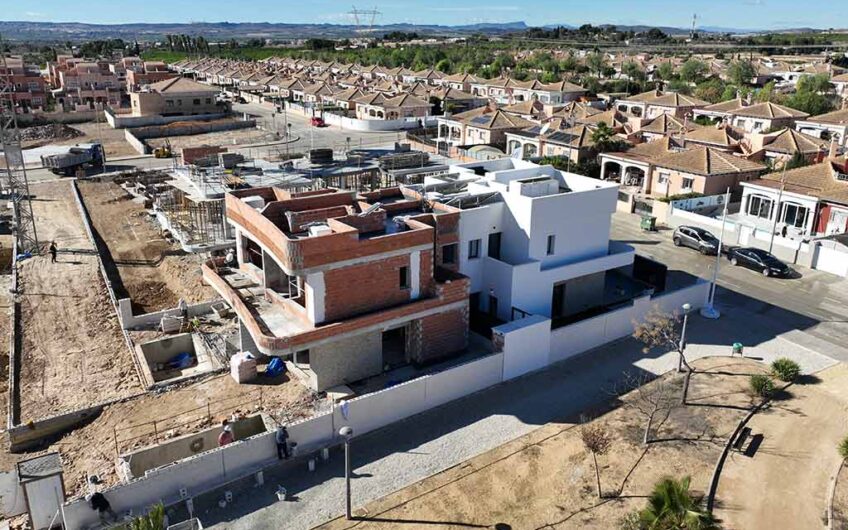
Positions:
{"x": 78, "y": 31}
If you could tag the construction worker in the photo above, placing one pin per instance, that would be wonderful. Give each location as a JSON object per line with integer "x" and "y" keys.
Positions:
{"x": 53, "y": 251}
{"x": 226, "y": 436}
{"x": 282, "y": 437}
{"x": 230, "y": 259}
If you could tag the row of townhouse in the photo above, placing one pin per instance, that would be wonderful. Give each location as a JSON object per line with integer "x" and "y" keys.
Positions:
{"x": 27, "y": 84}
{"x": 490, "y": 241}
{"x": 372, "y": 93}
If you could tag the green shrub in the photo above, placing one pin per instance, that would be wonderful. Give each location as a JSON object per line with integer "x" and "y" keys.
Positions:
{"x": 785, "y": 369}
{"x": 843, "y": 448}
{"x": 681, "y": 196}
{"x": 762, "y": 385}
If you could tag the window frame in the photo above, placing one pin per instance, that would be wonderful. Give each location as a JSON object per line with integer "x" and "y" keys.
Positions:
{"x": 550, "y": 247}
{"x": 474, "y": 247}
{"x": 404, "y": 279}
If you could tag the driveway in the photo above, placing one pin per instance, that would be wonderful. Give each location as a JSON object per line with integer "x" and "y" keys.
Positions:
{"x": 788, "y": 476}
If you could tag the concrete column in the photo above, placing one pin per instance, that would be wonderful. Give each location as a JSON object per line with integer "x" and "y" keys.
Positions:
{"x": 315, "y": 291}
{"x": 239, "y": 246}
{"x": 274, "y": 276}
{"x": 246, "y": 342}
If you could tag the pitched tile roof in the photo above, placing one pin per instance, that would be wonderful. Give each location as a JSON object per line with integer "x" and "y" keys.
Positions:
{"x": 790, "y": 141}
{"x": 180, "y": 84}
{"x": 817, "y": 180}
{"x": 707, "y": 161}
{"x": 769, "y": 110}
{"x": 837, "y": 117}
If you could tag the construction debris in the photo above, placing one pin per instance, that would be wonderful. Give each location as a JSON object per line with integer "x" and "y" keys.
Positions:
{"x": 52, "y": 131}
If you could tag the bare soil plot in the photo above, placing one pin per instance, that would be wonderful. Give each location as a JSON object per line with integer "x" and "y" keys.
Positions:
{"x": 840, "y": 500}
{"x": 74, "y": 354}
{"x": 113, "y": 140}
{"x": 222, "y": 138}
{"x": 547, "y": 477}
{"x": 92, "y": 449}
{"x": 789, "y": 476}
{"x": 155, "y": 274}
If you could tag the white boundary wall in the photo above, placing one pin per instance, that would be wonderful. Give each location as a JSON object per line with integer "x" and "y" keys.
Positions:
{"x": 525, "y": 345}
{"x": 355, "y": 124}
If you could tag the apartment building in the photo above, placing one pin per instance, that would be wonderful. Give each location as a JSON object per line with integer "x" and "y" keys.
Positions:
{"x": 177, "y": 96}
{"x": 28, "y": 84}
{"x": 344, "y": 286}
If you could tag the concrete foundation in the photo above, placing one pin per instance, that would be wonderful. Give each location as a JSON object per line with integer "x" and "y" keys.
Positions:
{"x": 138, "y": 463}
{"x": 154, "y": 356}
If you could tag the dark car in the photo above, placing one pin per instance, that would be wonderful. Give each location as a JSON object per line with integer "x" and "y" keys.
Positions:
{"x": 697, "y": 238}
{"x": 758, "y": 260}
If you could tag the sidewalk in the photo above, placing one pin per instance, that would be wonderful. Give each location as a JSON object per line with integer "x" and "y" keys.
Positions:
{"x": 397, "y": 456}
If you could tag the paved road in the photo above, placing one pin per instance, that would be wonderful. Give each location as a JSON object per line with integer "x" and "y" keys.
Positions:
{"x": 404, "y": 453}
{"x": 817, "y": 295}
{"x": 330, "y": 136}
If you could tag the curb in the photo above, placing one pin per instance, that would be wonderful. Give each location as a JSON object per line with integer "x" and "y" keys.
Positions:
{"x": 831, "y": 493}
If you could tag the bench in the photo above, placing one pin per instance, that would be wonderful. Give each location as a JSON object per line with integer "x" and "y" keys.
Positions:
{"x": 742, "y": 438}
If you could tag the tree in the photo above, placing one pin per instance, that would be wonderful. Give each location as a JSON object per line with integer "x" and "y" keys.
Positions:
{"x": 741, "y": 72}
{"x": 596, "y": 62}
{"x": 819, "y": 83}
{"x": 633, "y": 71}
{"x": 597, "y": 440}
{"x": 659, "y": 330}
{"x": 652, "y": 399}
{"x": 671, "y": 506}
{"x": 761, "y": 386}
{"x": 665, "y": 71}
{"x": 656, "y": 34}
{"x": 812, "y": 103}
{"x": 710, "y": 90}
{"x": 153, "y": 520}
{"x": 785, "y": 369}
{"x": 603, "y": 137}
{"x": 693, "y": 70}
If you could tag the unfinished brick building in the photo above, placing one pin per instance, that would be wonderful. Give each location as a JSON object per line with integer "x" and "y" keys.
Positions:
{"x": 341, "y": 285}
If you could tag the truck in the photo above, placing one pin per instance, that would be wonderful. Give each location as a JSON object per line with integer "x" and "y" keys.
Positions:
{"x": 77, "y": 157}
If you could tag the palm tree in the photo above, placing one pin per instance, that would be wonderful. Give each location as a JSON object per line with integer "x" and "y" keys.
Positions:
{"x": 603, "y": 137}
{"x": 672, "y": 507}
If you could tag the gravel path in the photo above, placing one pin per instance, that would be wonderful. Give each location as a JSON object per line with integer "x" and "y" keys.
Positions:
{"x": 399, "y": 455}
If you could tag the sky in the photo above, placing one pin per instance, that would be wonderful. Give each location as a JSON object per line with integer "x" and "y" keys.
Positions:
{"x": 743, "y": 14}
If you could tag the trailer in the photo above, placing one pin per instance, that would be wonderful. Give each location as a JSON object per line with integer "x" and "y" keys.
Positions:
{"x": 77, "y": 157}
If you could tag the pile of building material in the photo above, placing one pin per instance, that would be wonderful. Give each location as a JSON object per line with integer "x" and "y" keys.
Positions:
{"x": 51, "y": 131}
{"x": 403, "y": 160}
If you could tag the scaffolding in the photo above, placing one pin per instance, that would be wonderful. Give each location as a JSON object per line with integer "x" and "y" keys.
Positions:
{"x": 194, "y": 222}
{"x": 15, "y": 183}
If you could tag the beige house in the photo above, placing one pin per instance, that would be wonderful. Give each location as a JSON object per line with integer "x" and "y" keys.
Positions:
{"x": 830, "y": 126}
{"x": 763, "y": 117}
{"x": 700, "y": 170}
{"x": 380, "y": 107}
{"x": 651, "y": 104}
{"x": 176, "y": 97}
{"x": 484, "y": 125}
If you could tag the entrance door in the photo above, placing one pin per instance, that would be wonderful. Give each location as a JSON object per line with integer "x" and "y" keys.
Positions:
{"x": 558, "y": 301}
{"x": 493, "y": 306}
{"x": 495, "y": 245}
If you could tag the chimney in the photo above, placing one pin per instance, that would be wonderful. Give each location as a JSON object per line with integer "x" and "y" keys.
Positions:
{"x": 659, "y": 88}
{"x": 749, "y": 98}
{"x": 832, "y": 153}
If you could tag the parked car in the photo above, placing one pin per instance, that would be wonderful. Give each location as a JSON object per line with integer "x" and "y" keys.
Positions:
{"x": 241, "y": 100}
{"x": 694, "y": 237}
{"x": 317, "y": 122}
{"x": 758, "y": 260}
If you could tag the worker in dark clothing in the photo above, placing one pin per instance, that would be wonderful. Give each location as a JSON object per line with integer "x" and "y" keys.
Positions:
{"x": 53, "y": 250}
{"x": 100, "y": 504}
{"x": 282, "y": 442}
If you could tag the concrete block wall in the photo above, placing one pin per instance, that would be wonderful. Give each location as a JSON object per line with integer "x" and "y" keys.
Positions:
{"x": 437, "y": 336}
{"x": 348, "y": 360}
{"x": 148, "y": 320}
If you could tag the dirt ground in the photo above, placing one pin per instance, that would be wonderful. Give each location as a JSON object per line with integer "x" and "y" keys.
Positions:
{"x": 800, "y": 436}
{"x": 222, "y": 138}
{"x": 113, "y": 139}
{"x": 547, "y": 479}
{"x": 91, "y": 449}
{"x": 155, "y": 273}
{"x": 73, "y": 351}
{"x": 840, "y": 500}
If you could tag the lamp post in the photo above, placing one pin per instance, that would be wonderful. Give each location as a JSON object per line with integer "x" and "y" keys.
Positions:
{"x": 709, "y": 310}
{"x": 681, "y": 347}
{"x": 776, "y": 209}
{"x": 347, "y": 433}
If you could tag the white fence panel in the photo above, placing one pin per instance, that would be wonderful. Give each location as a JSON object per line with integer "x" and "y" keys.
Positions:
{"x": 577, "y": 338}
{"x": 366, "y": 413}
{"x": 831, "y": 260}
{"x": 526, "y": 345}
{"x": 464, "y": 380}
{"x": 314, "y": 433}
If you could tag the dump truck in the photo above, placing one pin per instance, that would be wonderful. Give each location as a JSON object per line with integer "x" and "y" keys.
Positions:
{"x": 77, "y": 157}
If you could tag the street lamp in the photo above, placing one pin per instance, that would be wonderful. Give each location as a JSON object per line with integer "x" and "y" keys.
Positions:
{"x": 709, "y": 310}
{"x": 682, "y": 345}
{"x": 347, "y": 433}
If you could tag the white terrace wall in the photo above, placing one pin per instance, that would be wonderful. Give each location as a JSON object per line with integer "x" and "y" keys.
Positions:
{"x": 147, "y": 320}
{"x": 355, "y": 124}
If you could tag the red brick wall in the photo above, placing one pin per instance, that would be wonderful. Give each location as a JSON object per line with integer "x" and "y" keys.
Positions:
{"x": 296, "y": 220}
{"x": 438, "y": 336}
{"x": 364, "y": 288}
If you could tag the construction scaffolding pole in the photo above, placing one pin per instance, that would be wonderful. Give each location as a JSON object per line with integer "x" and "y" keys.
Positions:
{"x": 15, "y": 181}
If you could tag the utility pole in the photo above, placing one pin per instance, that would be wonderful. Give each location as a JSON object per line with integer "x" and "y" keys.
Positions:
{"x": 709, "y": 310}
{"x": 15, "y": 182}
{"x": 777, "y": 205}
